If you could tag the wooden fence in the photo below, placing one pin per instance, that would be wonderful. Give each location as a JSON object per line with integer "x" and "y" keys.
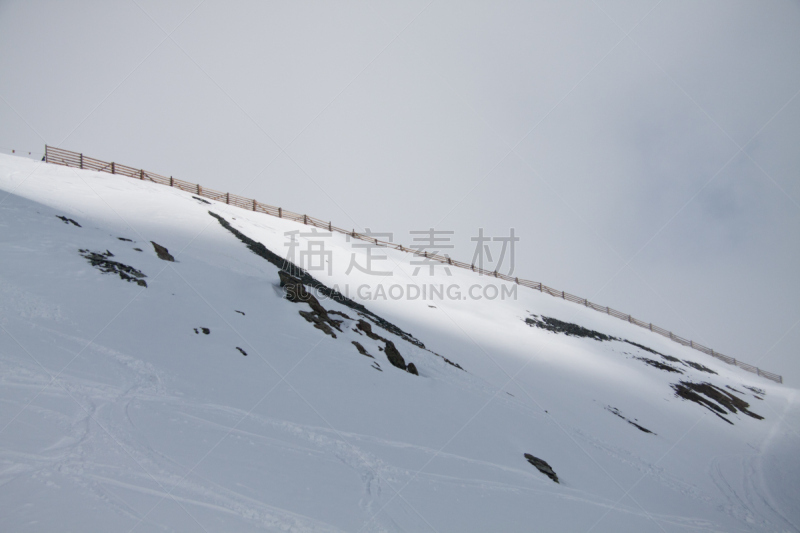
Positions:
{"x": 78, "y": 160}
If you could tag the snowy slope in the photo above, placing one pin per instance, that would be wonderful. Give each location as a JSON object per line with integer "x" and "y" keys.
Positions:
{"x": 118, "y": 412}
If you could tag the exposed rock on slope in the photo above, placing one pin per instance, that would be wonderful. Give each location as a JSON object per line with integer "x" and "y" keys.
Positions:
{"x": 162, "y": 252}
{"x": 107, "y": 266}
{"x": 542, "y": 466}
{"x": 714, "y": 399}
{"x": 306, "y": 279}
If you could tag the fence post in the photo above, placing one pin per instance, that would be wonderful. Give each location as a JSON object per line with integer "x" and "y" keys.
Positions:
{"x": 254, "y": 204}
{"x": 608, "y": 311}
{"x": 330, "y": 226}
{"x": 280, "y": 213}
{"x": 112, "y": 168}
{"x": 651, "y": 326}
{"x": 516, "y": 280}
{"x": 305, "y": 219}
{"x": 81, "y": 160}
{"x": 171, "y": 182}
{"x": 670, "y": 336}
{"x": 691, "y": 343}
{"x": 199, "y": 189}
{"x": 228, "y": 198}
{"x": 562, "y": 296}
{"x": 141, "y": 174}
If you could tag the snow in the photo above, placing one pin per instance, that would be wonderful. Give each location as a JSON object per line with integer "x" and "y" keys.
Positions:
{"x": 116, "y": 415}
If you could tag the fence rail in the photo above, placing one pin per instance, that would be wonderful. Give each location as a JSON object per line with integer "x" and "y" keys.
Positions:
{"x": 68, "y": 158}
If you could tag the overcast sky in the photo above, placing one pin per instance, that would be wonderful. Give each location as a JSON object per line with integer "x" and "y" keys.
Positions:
{"x": 646, "y": 153}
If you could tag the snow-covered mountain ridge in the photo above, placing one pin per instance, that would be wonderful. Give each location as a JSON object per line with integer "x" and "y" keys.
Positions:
{"x": 211, "y": 392}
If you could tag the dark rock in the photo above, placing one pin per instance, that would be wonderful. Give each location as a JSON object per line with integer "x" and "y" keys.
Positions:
{"x": 138, "y": 249}
{"x": 206, "y": 331}
{"x": 162, "y": 252}
{"x": 297, "y": 293}
{"x": 361, "y": 349}
{"x": 243, "y": 352}
{"x": 698, "y": 366}
{"x": 658, "y": 364}
{"x": 615, "y": 411}
{"x": 124, "y": 239}
{"x": 714, "y": 399}
{"x": 105, "y": 265}
{"x": 389, "y": 348}
{"x": 567, "y": 328}
{"x": 201, "y": 200}
{"x": 412, "y": 369}
{"x": 542, "y": 466}
{"x": 318, "y": 322}
{"x": 68, "y": 221}
{"x": 366, "y": 327}
{"x": 394, "y": 356}
{"x": 306, "y": 279}
{"x": 756, "y": 390}
{"x": 240, "y": 312}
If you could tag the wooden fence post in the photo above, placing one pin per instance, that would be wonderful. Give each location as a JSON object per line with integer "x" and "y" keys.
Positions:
{"x": 228, "y": 198}
{"x": 141, "y": 174}
{"x": 280, "y": 213}
{"x": 254, "y": 204}
{"x": 112, "y": 168}
{"x": 651, "y": 326}
{"x": 330, "y": 226}
{"x": 171, "y": 182}
{"x": 305, "y": 219}
{"x": 199, "y": 189}
{"x": 81, "y": 160}
{"x": 562, "y": 296}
